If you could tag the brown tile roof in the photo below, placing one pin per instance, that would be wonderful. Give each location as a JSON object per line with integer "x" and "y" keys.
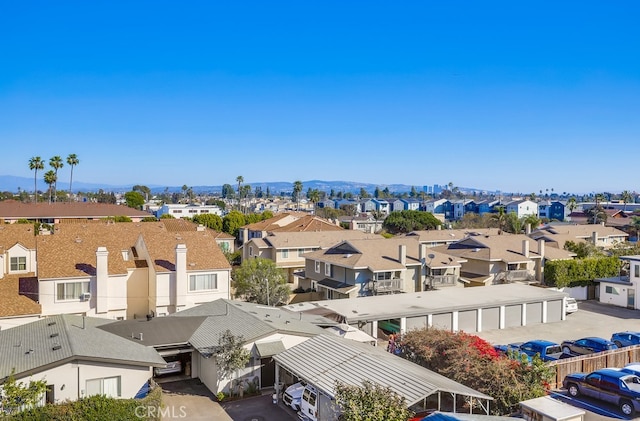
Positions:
{"x": 11, "y": 209}
{"x": 308, "y": 223}
{"x": 179, "y": 225}
{"x": 12, "y": 303}
{"x": 11, "y": 234}
{"x": 71, "y": 251}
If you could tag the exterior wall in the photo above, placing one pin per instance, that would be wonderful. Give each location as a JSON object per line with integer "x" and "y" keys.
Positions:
{"x": 69, "y": 380}
{"x": 617, "y": 295}
{"x": 138, "y": 293}
{"x": 164, "y": 293}
{"x": 195, "y": 298}
{"x": 18, "y": 251}
{"x": 480, "y": 267}
{"x": 9, "y": 322}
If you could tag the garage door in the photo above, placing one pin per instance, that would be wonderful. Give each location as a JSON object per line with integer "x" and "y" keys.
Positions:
{"x": 416, "y": 323}
{"x": 442, "y": 321}
{"x": 534, "y": 313}
{"x": 490, "y": 318}
{"x": 554, "y": 311}
{"x": 513, "y": 315}
{"x": 467, "y": 321}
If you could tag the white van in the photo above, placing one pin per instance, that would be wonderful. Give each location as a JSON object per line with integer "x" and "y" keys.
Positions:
{"x": 316, "y": 406}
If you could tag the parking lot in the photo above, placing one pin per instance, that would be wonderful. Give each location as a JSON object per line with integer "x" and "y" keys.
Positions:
{"x": 592, "y": 319}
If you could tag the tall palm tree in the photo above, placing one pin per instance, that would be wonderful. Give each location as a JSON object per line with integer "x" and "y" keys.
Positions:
{"x": 240, "y": 180}
{"x": 297, "y": 189}
{"x": 36, "y": 163}
{"x": 314, "y": 196}
{"x": 626, "y": 198}
{"x": 56, "y": 163}
{"x": 50, "y": 178}
{"x": 72, "y": 160}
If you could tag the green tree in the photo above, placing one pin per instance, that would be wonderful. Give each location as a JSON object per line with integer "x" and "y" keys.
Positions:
{"x": 227, "y": 191}
{"x": 377, "y": 216}
{"x": 410, "y": 220}
{"x": 596, "y": 215}
{"x": 72, "y": 160}
{"x": 513, "y": 224}
{"x": 297, "y": 189}
{"x": 134, "y": 199}
{"x": 50, "y": 178}
{"x": 232, "y": 222}
{"x": 144, "y": 190}
{"x": 370, "y": 402}
{"x": 56, "y": 163}
{"x": 209, "y": 220}
{"x": 532, "y": 220}
{"x": 16, "y": 396}
{"x": 583, "y": 249}
{"x": 260, "y": 281}
{"x": 239, "y": 180}
{"x": 314, "y": 197}
{"x": 572, "y": 204}
{"x": 36, "y": 163}
{"x": 230, "y": 355}
{"x": 363, "y": 194}
{"x": 626, "y": 198}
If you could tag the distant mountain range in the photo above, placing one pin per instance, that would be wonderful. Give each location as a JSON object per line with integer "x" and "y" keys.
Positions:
{"x": 12, "y": 183}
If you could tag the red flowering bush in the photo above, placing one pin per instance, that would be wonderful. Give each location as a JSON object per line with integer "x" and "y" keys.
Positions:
{"x": 472, "y": 361}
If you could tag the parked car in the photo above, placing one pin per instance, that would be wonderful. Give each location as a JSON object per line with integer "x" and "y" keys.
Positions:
{"x": 622, "y": 339}
{"x": 586, "y": 346}
{"x": 571, "y": 305}
{"x": 633, "y": 368}
{"x": 546, "y": 350}
{"x": 293, "y": 395}
{"x": 610, "y": 385}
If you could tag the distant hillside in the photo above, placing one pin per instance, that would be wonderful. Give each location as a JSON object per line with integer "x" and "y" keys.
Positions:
{"x": 12, "y": 183}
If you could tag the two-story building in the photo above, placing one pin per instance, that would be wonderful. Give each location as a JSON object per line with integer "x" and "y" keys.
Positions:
{"x": 623, "y": 290}
{"x": 285, "y": 222}
{"x": 522, "y": 208}
{"x": 187, "y": 210}
{"x": 597, "y": 234}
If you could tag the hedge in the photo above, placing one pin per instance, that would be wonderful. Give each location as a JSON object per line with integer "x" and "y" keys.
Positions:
{"x": 580, "y": 272}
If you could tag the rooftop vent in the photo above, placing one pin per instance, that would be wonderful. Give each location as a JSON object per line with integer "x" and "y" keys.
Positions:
{"x": 56, "y": 347}
{"x": 54, "y": 334}
{"x": 51, "y": 323}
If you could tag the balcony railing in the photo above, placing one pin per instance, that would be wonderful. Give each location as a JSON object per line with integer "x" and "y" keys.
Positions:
{"x": 384, "y": 286}
{"x": 436, "y": 281}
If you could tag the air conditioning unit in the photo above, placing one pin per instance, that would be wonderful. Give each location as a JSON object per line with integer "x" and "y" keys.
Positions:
{"x": 85, "y": 296}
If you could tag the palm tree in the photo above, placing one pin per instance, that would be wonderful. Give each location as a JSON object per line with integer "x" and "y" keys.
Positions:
{"x": 626, "y": 198}
{"x": 56, "y": 163}
{"x": 377, "y": 216}
{"x": 36, "y": 163}
{"x": 297, "y": 189}
{"x": 240, "y": 180}
{"x": 72, "y": 160}
{"x": 499, "y": 217}
{"x": 314, "y": 196}
{"x": 50, "y": 178}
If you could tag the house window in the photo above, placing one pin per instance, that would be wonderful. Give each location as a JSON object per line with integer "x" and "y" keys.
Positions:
{"x": 611, "y": 290}
{"x": 71, "y": 290}
{"x": 177, "y": 211}
{"x": 317, "y": 267}
{"x": 327, "y": 269}
{"x": 193, "y": 211}
{"x": 107, "y": 386}
{"x": 300, "y": 252}
{"x": 512, "y": 266}
{"x": 18, "y": 263}
{"x": 250, "y": 251}
{"x": 381, "y": 276}
{"x": 636, "y": 271}
{"x": 285, "y": 253}
{"x": 224, "y": 246}
{"x": 203, "y": 282}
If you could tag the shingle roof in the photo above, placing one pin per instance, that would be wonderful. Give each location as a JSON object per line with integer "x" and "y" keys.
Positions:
{"x": 293, "y": 222}
{"x": 57, "y": 339}
{"x": 71, "y": 250}
{"x": 322, "y": 239}
{"x": 12, "y": 234}
{"x": 327, "y": 359}
{"x": 156, "y": 331}
{"x": 14, "y": 209}
{"x": 12, "y": 303}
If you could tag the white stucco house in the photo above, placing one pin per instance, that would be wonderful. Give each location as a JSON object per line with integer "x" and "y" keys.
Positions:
{"x": 622, "y": 291}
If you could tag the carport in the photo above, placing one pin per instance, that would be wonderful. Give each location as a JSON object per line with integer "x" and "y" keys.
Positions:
{"x": 324, "y": 360}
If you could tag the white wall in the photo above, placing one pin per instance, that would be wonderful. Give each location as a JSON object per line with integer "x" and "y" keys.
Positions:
{"x": 617, "y": 298}
{"x": 69, "y": 380}
{"x": 9, "y": 322}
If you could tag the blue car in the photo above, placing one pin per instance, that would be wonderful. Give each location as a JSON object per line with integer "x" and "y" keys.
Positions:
{"x": 622, "y": 339}
{"x": 546, "y": 350}
{"x": 586, "y": 346}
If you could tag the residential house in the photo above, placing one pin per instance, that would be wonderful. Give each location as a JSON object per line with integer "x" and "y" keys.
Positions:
{"x": 382, "y": 206}
{"x": 76, "y": 359}
{"x": 522, "y": 208}
{"x": 496, "y": 259}
{"x": 326, "y": 203}
{"x": 460, "y": 207}
{"x": 187, "y": 210}
{"x": 12, "y": 211}
{"x": 440, "y": 237}
{"x": 396, "y": 205}
{"x": 227, "y": 242}
{"x": 287, "y": 249}
{"x": 622, "y": 290}
{"x": 599, "y": 235}
{"x": 188, "y": 340}
{"x": 368, "y": 205}
{"x": 437, "y": 206}
{"x": 487, "y": 206}
{"x": 552, "y": 211}
{"x": 363, "y": 222}
{"x": 356, "y": 268}
{"x": 285, "y": 222}
{"x": 411, "y": 204}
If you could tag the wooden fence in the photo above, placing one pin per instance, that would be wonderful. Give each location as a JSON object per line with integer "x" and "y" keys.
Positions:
{"x": 591, "y": 362}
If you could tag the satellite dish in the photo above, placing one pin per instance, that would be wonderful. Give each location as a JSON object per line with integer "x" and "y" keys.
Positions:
{"x": 431, "y": 256}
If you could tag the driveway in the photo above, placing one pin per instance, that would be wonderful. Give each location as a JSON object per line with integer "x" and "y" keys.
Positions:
{"x": 592, "y": 319}
{"x": 258, "y": 408}
{"x": 190, "y": 400}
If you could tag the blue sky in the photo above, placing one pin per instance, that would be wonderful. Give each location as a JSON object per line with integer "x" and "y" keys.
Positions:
{"x": 511, "y": 96}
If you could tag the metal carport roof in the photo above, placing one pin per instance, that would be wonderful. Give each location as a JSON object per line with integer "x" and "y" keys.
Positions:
{"x": 325, "y": 359}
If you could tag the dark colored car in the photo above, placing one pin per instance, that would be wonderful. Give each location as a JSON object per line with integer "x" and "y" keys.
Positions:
{"x": 546, "y": 350}
{"x": 586, "y": 346}
{"x": 622, "y": 339}
{"x": 609, "y": 385}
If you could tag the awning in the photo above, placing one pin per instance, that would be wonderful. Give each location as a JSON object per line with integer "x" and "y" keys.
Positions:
{"x": 269, "y": 349}
{"x": 340, "y": 287}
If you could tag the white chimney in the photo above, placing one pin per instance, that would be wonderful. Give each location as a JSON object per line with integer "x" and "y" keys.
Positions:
{"x": 423, "y": 252}
{"x": 402, "y": 254}
{"x": 181, "y": 275}
{"x": 102, "y": 280}
{"x": 594, "y": 238}
{"x": 525, "y": 248}
{"x": 541, "y": 244}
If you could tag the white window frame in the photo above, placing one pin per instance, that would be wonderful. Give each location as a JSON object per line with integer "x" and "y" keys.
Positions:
{"x": 327, "y": 269}
{"x": 250, "y": 251}
{"x": 636, "y": 271}
{"x": 74, "y": 296}
{"x": 209, "y": 282}
{"x": 317, "y": 264}
{"x": 100, "y": 383}
{"x": 17, "y": 262}
{"x": 285, "y": 253}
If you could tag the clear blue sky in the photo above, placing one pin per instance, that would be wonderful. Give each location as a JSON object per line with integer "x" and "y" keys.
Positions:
{"x": 510, "y": 95}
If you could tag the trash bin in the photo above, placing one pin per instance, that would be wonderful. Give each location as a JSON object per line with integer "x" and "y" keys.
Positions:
{"x": 274, "y": 397}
